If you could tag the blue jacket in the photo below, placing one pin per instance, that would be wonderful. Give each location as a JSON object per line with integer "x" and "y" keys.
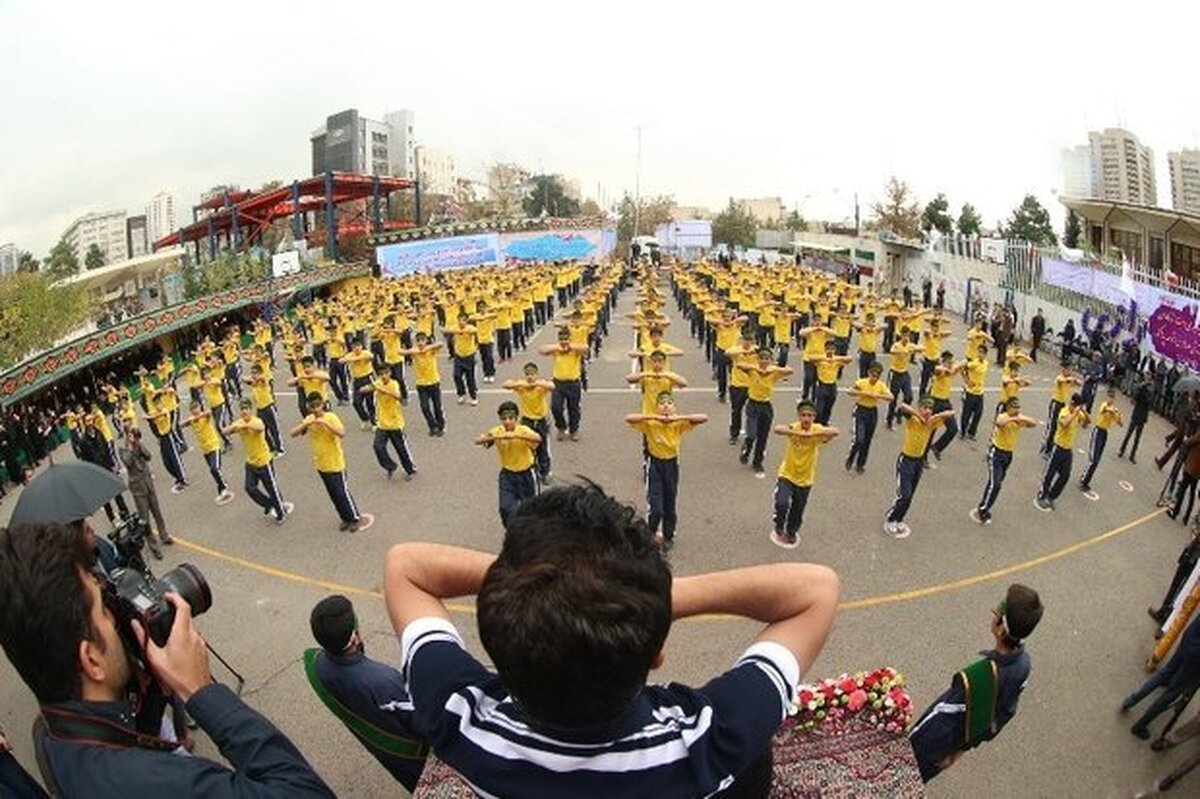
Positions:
{"x": 375, "y": 692}
{"x": 942, "y": 729}
{"x": 265, "y": 763}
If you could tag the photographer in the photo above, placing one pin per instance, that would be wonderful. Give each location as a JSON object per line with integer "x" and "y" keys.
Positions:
{"x": 141, "y": 485}
{"x": 58, "y": 628}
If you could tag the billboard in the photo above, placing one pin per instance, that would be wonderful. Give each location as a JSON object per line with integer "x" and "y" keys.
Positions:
{"x": 550, "y": 245}
{"x": 432, "y": 255}
{"x": 285, "y": 263}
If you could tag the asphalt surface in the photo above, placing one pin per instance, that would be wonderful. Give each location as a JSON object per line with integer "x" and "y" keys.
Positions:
{"x": 1066, "y": 740}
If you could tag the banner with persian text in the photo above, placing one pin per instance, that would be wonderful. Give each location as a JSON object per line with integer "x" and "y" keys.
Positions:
{"x": 1170, "y": 327}
{"x": 432, "y": 255}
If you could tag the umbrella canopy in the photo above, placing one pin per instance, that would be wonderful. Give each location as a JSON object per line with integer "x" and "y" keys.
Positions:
{"x": 65, "y": 492}
{"x": 1186, "y": 384}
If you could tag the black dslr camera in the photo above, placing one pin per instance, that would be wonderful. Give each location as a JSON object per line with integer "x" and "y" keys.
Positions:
{"x": 129, "y": 539}
{"x": 137, "y": 595}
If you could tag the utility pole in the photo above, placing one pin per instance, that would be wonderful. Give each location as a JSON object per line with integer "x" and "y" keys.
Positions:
{"x": 637, "y": 187}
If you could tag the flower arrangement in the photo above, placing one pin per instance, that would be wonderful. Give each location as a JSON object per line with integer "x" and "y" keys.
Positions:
{"x": 876, "y": 699}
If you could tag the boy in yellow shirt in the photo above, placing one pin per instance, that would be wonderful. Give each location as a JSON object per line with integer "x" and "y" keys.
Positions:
{"x": 1108, "y": 415}
{"x": 797, "y": 472}
{"x": 1058, "y": 468}
{"x": 389, "y": 428}
{"x": 868, "y": 392}
{"x": 261, "y": 485}
{"x": 207, "y": 428}
{"x": 663, "y": 431}
{"x": 325, "y": 432}
{"x": 533, "y": 397}
{"x": 515, "y": 445}
{"x": 761, "y": 379}
{"x": 429, "y": 385}
{"x": 568, "y": 373}
{"x": 1008, "y": 424}
{"x": 920, "y": 424}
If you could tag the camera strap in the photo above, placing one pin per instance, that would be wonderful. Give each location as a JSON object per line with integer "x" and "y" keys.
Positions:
{"x": 74, "y": 727}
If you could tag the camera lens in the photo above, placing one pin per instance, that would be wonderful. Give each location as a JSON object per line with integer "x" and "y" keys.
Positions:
{"x": 187, "y": 581}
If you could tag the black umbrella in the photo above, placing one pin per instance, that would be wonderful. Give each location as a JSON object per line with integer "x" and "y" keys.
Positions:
{"x": 65, "y": 492}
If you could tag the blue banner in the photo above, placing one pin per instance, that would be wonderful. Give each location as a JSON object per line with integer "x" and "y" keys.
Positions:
{"x": 432, "y": 255}
{"x": 551, "y": 246}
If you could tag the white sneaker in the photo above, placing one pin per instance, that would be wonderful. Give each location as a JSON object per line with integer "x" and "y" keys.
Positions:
{"x": 782, "y": 540}
{"x": 225, "y": 497}
{"x": 903, "y": 530}
{"x": 474, "y": 401}
{"x": 461, "y": 400}
{"x": 288, "y": 507}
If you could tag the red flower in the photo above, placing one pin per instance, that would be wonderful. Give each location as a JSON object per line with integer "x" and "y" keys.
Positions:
{"x": 857, "y": 699}
{"x": 847, "y": 685}
{"x": 828, "y": 690}
{"x": 805, "y": 698}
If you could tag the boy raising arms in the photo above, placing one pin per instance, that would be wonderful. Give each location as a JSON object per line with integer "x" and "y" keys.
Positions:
{"x": 325, "y": 432}
{"x": 762, "y": 377}
{"x": 260, "y": 470}
{"x": 533, "y": 397}
{"x": 1004, "y": 440}
{"x": 918, "y": 429}
{"x": 579, "y": 582}
{"x": 663, "y": 431}
{"x": 868, "y": 392}
{"x": 655, "y": 380}
{"x": 389, "y": 428}
{"x": 797, "y": 472}
{"x": 204, "y": 424}
{"x": 515, "y": 445}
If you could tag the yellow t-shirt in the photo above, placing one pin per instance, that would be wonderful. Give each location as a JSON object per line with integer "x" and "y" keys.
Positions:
{"x": 654, "y": 383}
{"x": 1064, "y": 433}
{"x": 425, "y": 368}
{"x": 263, "y": 396}
{"x": 534, "y": 401}
{"x": 1107, "y": 416}
{"x": 360, "y": 363}
{"x": 727, "y": 334}
{"x": 254, "y": 443}
{"x": 739, "y": 360}
{"x": 516, "y": 455}
{"x": 663, "y": 438}
{"x": 387, "y": 407}
{"x": 466, "y": 342}
{"x": 799, "y": 465}
{"x": 1062, "y": 389}
{"x": 213, "y": 393}
{"x": 901, "y": 355}
{"x": 933, "y": 345}
{"x": 940, "y": 385}
{"x": 313, "y": 385}
{"x": 865, "y": 385}
{"x": 761, "y": 385}
{"x": 1005, "y": 436}
{"x": 1010, "y": 387}
{"x": 827, "y": 372}
{"x": 868, "y": 340}
{"x": 326, "y": 447}
{"x": 917, "y": 434}
{"x": 977, "y": 370}
{"x": 207, "y": 435}
{"x": 814, "y": 344}
{"x": 567, "y": 365}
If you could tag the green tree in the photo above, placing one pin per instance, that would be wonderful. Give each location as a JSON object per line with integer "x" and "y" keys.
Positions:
{"x": 734, "y": 226}
{"x": 26, "y": 262}
{"x": 94, "y": 258}
{"x": 1071, "y": 230}
{"x": 795, "y": 223}
{"x": 653, "y": 212}
{"x": 63, "y": 261}
{"x": 1031, "y": 222}
{"x": 546, "y": 196}
{"x": 936, "y": 216}
{"x": 969, "y": 221}
{"x": 898, "y": 212}
{"x": 35, "y": 313}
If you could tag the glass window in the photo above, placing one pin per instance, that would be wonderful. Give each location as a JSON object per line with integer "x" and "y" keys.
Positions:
{"x": 1129, "y": 243}
{"x": 1156, "y": 252}
{"x": 1185, "y": 260}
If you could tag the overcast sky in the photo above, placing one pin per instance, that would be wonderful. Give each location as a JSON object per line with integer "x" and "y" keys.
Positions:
{"x": 104, "y": 104}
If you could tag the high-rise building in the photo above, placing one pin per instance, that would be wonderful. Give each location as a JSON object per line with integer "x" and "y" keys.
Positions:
{"x": 105, "y": 229}
{"x": 436, "y": 170}
{"x": 137, "y": 240}
{"x": 1184, "y": 166}
{"x": 1077, "y": 172}
{"x": 350, "y": 142}
{"x": 8, "y": 259}
{"x": 1122, "y": 168}
{"x": 160, "y": 216}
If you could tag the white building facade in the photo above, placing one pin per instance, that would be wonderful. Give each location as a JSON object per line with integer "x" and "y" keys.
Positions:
{"x": 160, "y": 216}
{"x": 1122, "y": 168}
{"x": 105, "y": 229}
{"x": 8, "y": 259}
{"x": 1184, "y": 166}
{"x": 436, "y": 170}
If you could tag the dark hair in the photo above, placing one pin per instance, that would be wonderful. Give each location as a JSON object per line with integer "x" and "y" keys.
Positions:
{"x": 311, "y": 398}
{"x": 508, "y": 406}
{"x": 332, "y": 622}
{"x": 1023, "y": 610}
{"x": 576, "y": 607}
{"x": 45, "y": 607}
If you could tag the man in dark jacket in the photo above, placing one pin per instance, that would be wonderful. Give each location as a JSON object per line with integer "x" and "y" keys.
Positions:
{"x": 367, "y": 696}
{"x": 93, "y": 448}
{"x": 1143, "y": 397}
{"x": 959, "y": 719}
{"x": 1180, "y": 675}
{"x": 64, "y": 641}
